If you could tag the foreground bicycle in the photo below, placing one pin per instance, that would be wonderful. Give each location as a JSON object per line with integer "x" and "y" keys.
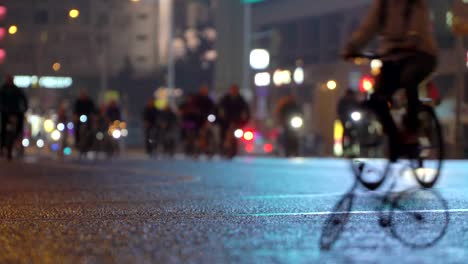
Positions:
{"x": 418, "y": 218}
{"x": 367, "y": 145}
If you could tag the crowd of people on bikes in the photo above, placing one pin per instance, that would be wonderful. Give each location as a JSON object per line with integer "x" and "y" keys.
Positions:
{"x": 197, "y": 118}
{"x": 86, "y": 118}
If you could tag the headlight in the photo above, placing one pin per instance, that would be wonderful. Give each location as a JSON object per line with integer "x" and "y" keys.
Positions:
{"x": 83, "y": 118}
{"x": 116, "y": 134}
{"x": 25, "y": 142}
{"x": 40, "y": 143}
{"x": 61, "y": 127}
{"x": 239, "y": 133}
{"x": 211, "y": 118}
{"x": 297, "y": 122}
{"x": 55, "y": 135}
{"x": 70, "y": 126}
{"x": 356, "y": 116}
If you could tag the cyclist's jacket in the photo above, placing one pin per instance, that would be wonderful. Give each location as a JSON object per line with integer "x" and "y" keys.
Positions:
{"x": 401, "y": 24}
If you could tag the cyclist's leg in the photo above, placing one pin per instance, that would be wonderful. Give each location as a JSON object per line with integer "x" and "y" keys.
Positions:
{"x": 385, "y": 87}
{"x": 414, "y": 71}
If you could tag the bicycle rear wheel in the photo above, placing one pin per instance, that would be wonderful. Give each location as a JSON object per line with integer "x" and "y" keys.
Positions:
{"x": 367, "y": 148}
{"x": 419, "y": 218}
{"x": 427, "y": 165}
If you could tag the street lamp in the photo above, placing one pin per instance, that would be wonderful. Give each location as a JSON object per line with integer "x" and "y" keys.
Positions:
{"x": 331, "y": 85}
{"x": 74, "y": 13}
{"x": 298, "y": 75}
{"x": 13, "y": 29}
{"x": 259, "y": 59}
{"x": 56, "y": 66}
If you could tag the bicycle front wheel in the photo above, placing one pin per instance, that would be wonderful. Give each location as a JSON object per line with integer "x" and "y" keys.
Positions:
{"x": 367, "y": 148}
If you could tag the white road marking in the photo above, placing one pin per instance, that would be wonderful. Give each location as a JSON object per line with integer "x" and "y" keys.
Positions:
{"x": 352, "y": 213}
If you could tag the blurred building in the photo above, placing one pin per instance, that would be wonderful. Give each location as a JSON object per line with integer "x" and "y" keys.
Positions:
{"x": 111, "y": 45}
{"x": 313, "y": 33}
{"x": 109, "y": 42}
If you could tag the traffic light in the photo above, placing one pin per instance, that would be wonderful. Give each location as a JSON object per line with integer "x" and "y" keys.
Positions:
{"x": 366, "y": 84}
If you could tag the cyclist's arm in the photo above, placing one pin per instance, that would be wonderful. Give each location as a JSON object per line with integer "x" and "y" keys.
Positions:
{"x": 368, "y": 28}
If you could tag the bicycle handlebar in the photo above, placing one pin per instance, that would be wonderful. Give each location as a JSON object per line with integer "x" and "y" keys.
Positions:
{"x": 365, "y": 55}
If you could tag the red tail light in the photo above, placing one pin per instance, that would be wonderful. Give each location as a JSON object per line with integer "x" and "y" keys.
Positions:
{"x": 268, "y": 148}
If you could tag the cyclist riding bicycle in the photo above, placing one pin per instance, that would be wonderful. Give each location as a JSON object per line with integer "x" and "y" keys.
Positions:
{"x": 409, "y": 55}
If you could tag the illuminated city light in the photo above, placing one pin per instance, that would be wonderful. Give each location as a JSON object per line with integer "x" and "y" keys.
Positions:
{"x": 56, "y": 135}
{"x": 83, "y": 118}
{"x": 331, "y": 85}
{"x": 25, "y": 142}
{"x": 3, "y": 12}
{"x": 249, "y": 148}
{"x": 262, "y": 79}
{"x": 74, "y": 13}
{"x": 268, "y": 148}
{"x": 367, "y": 84}
{"x": 238, "y": 133}
{"x": 124, "y": 132}
{"x": 55, "y": 147}
{"x": 13, "y": 29}
{"x": 3, "y": 55}
{"x": 356, "y": 116}
{"x": 61, "y": 127}
{"x": 40, "y": 143}
{"x": 67, "y": 151}
{"x": 211, "y": 118}
{"x": 259, "y": 59}
{"x": 2, "y": 33}
{"x": 70, "y": 126}
{"x": 299, "y": 75}
{"x": 249, "y": 136}
{"x": 48, "y": 82}
{"x": 297, "y": 122}
{"x": 49, "y": 125}
{"x": 282, "y": 77}
{"x": 100, "y": 136}
{"x": 116, "y": 134}
{"x": 56, "y": 66}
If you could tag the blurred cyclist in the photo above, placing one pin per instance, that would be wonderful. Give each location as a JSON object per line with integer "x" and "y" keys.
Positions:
{"x": 286, "y": 107}
{"x": 233, "y": 111}
{"x": 168, "y": 124}
{"x": 113, "y": 112}
{"x": 409, "y": 56}
{"x": 206, "y": 106}
{"x": 190, "y": 123}
{"x": 347, "y": 104}
{"x": 84, "y": 107}
{"x": 289, "y": 138}
{"x": 150, "y": 118}
{"x": 13, "y": 102}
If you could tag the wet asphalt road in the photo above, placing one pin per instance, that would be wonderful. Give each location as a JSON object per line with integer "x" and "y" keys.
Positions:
{"x": 251, "y": 210}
